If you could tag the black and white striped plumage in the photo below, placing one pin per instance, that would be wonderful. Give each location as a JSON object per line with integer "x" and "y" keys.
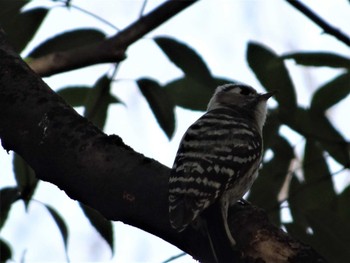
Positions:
{"x": 219, "y": 155}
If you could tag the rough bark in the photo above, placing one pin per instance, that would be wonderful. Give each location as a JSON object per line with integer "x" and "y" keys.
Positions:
{"x": 102, "y": 172}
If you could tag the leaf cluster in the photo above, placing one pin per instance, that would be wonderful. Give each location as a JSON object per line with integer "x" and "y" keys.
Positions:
{"x": 319, "y": 213}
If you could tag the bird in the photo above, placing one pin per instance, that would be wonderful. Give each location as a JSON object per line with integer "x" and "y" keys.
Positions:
{"x": 219, "y": 156}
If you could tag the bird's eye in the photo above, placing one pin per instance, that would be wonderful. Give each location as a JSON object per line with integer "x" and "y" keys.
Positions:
{"x": 246, "y": 91}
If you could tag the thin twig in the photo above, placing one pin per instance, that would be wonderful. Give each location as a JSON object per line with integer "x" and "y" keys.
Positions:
{"x": 95, "y": 16}
{"x": 320, "y": 22}
{"x": 174, "y": 257}
{"x": 143, "y": 7}
{"x": 101, "y": 19}
{"x": 110, "y": 50}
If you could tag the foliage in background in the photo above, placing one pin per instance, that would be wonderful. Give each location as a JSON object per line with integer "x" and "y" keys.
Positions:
{"x": 320, "y": 215}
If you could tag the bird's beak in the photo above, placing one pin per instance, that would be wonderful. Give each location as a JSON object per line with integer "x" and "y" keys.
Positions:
{"x": 267, "y": 95}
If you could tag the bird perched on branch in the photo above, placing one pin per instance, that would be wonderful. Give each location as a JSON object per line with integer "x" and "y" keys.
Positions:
{"x": 219, "y": 156}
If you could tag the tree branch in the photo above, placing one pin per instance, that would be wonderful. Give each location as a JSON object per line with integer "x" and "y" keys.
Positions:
{"x": 111, "y": 49}
{"x": 320, "y": 22}
{"x": 102, "y": 172}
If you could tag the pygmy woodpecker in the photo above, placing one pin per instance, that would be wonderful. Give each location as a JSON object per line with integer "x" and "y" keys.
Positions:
{"x": 219, "y": 155}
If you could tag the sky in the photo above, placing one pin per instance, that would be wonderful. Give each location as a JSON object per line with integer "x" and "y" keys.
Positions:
{"x": 219, "y": 31}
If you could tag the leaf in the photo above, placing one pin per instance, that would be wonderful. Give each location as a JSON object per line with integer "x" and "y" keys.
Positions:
{"x": 8, "y": 196}
{"x": 331, "y": 235}
{"x": 160, "y": 103}
{"x": 298, "y": 231}
{"x": 317, "y": 190}
{"x": 5, "y": 251}
{"x": 342, "y": 204}
{"x": 326, "y": 237}
{"x": 273, "y": 75}
{"x": 66, "y": 41}
{"x": 184, "y": 57}
{"x": 97, "y": 102}
{"x": 318, "y": 178}
{"x": 271, "y": 128}
{"x": 296, "y": 202}
{"x": 265, "y": 190}
{"x": 9, "y": 9}
{"x": 331, "y": 93}
{"x": 25, "y": 178}
{"x": 188, "y": 93}
{"x": 76, "y": 96}
{"x": 60, "y": 224}
{"x": 319, "y": 59}
{"x": 22, "y": 27}
{"x": 317, "y": 126}
{"x": 329, "y": 137}
{"x": 101, "y": 224}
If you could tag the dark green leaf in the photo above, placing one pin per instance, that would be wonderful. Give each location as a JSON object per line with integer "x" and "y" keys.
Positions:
{"x": 60, "y": 224}
{"x": 331, "y": 93}
{"x": 186, "y": 59}
{"x": 318, "y": 180}
{"x": 160, "y": 103}
{"x": 22, "y": 27}
{"x": 9, "y": 10}
{"x": 301, "y": 122}
{"x": 25, "y": 178}
{"x": 5, "y": 251}
{"x": 188, "y": 93}
{"x": 342, "y": 204}
{"x": 100, "y": 223}
{"x": 319, "y": 59}
{"x": 67, "y": 41}
{"x": 75, "y": 96}
{"x": 331, "y": 235}
{"x": 271, "y": 129}
{"x": 273, "y": 75}
{"x": 296, "y": 202}
{"x": 298, "y": 231}
{"x": 265, "y": 190}
{"x": 98, "y": 100}
{"x": 8, "y": 196}
{"x": 329, "y": 137}
{"x": 317, "y": 190}
{"x": 315, "y": 125}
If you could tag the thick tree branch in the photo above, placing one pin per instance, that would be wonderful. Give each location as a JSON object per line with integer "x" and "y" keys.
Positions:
{"x": 101, "y": 171}
{"x": 111, "y": 49}
{"x": 320, "y": 22}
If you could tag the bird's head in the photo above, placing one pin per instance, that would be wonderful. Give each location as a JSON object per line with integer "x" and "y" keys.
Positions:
{"x": 241, "y": 96}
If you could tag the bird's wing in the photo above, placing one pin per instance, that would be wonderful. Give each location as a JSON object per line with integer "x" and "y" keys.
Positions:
{"x": 213, "y": 153}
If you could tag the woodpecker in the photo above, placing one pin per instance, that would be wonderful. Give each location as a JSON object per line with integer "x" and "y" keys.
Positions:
{"x": 219, "y": 155}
